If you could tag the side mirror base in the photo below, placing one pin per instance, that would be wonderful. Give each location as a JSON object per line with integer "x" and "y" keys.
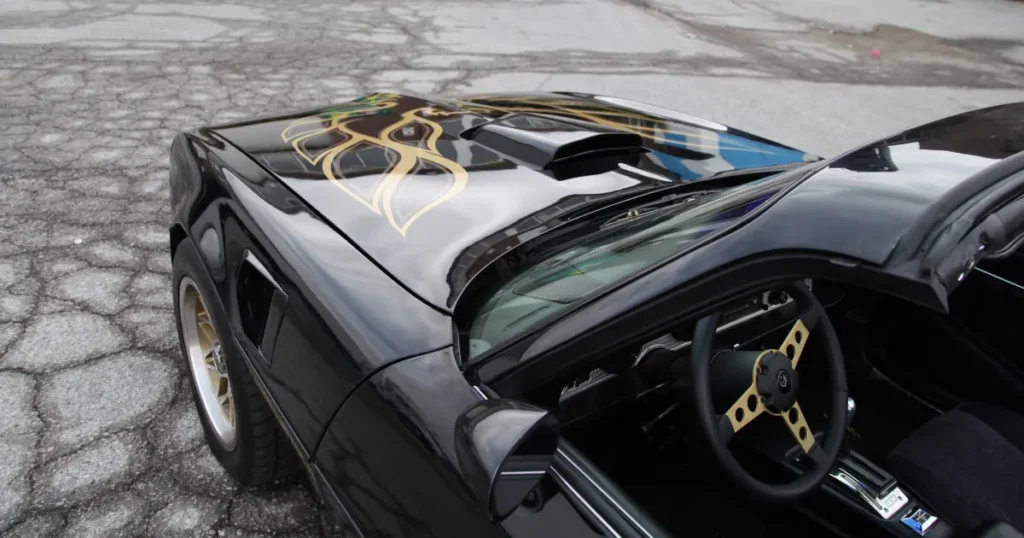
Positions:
{"x": 504, "y": 450}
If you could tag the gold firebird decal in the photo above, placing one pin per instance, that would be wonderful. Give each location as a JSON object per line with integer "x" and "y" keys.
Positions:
{"x": 409, "y": 157}
{"x": 405, "y": 158}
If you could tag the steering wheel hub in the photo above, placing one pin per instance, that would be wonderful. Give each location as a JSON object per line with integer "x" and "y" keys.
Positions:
{"x": 777, "y": 382}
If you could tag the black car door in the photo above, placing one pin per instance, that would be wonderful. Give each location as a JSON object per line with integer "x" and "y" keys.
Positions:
{"x": 388, "y": 463}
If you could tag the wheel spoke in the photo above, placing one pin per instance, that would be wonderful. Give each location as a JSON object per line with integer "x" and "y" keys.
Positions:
{"x": 227, "y": 402}
{"x": 211, "y": 364}
{"x": 793, "y": 345}
{"x": 214, "y": 377}
{"x": 748, "y": 406}
{"x": 207, "y": 329}
{"x": 794, "y": 419}
{"x": 204, "y": 352}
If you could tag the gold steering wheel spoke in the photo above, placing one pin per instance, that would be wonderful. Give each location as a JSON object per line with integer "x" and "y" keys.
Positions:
{"x": 793, "y": 345}
{"x": 746, "y": 408}
{"x": 797, "y": 424}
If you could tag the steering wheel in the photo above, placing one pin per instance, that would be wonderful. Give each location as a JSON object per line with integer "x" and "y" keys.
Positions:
{"x": 773, "y": 390}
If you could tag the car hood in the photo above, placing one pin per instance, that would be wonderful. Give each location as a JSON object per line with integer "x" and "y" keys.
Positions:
{"x": 399, "y": 176}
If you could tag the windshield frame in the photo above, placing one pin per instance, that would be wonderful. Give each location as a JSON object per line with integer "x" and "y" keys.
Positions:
{"x": 475, "y": 296}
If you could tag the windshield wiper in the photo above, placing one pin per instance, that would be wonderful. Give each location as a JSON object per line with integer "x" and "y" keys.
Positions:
{"x": 665, "y": 201}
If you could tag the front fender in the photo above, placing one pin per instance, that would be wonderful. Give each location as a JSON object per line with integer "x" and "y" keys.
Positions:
{"x": 327, "y": 316}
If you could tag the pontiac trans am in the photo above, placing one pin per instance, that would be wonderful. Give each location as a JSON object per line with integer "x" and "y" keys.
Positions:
{"x": 566, "y": 314}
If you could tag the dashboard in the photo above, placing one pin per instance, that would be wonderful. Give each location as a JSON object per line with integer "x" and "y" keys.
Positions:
{"x": 662, "y": 359}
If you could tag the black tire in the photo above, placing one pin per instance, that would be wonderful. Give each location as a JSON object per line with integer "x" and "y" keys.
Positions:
{"x": 261, "y": 451}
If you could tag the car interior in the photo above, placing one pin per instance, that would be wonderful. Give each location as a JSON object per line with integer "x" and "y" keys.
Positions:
{"x": 932, "y": 442}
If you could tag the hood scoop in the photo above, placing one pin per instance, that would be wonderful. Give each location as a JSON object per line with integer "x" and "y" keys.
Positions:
{"x": 560, "y": 148}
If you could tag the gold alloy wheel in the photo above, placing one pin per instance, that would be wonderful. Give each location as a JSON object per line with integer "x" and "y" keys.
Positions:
{"x": 206, "y": 360}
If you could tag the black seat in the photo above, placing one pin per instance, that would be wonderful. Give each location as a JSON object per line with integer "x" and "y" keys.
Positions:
{"x": 968, "y": 464}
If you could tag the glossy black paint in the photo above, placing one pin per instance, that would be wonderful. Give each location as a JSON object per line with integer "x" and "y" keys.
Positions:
{"x": 391, "y": 455}
{"x": 840, "y": 219}
{"x": 559, "y": 141}
{"x": 355, "y": 343}
{"x": 504, "y": 449}
{"x": 261, "y": 305}
{"x": 398, "y": 175}
{"x": 331, "y": 331}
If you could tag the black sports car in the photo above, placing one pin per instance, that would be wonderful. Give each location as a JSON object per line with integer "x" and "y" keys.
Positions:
{"x": 566, "y": 314}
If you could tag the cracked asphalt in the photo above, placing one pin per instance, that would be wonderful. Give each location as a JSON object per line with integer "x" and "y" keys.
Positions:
{"x": 98, "y": 433}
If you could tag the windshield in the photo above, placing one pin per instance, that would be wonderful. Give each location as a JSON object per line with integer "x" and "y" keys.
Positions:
{"x": 620, "y": 249}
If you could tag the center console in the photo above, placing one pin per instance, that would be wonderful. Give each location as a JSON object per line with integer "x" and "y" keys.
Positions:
{"x": 880, "y": 499}
{"x": 858, "y": 482}
{"x": 871, "y": 498}
{"x": 863, "y": 499}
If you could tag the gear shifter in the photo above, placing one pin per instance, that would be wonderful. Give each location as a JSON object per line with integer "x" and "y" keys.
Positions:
{"x": 870, "y": 482}
{"x": 851, "y": 409}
